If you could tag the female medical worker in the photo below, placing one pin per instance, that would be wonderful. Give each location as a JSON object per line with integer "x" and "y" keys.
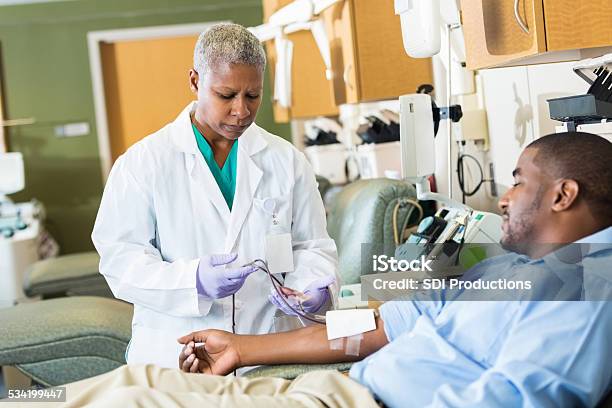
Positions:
{"x": 184, "y": 208}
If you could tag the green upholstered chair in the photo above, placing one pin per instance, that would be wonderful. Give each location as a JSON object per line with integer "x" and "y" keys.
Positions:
{"x": 323, "y": 184}
{"x": 291, "y": 371}
{"x": 66, "y": 275}
{"x": 362, "y": 213}
{"x": 61, "y": 340}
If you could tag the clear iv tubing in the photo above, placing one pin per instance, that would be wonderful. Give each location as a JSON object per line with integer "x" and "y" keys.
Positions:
{"x": 263, "y": 266}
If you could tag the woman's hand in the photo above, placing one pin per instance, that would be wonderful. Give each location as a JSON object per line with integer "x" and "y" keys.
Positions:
{"x": 216, "y": 279}
{"x": 219, "y": 354}
{"x": 314, "y": 297}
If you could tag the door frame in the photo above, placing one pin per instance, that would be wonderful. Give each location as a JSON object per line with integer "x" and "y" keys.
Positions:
{"x": 3, "y": 141}
{"x": 94, "y": 42}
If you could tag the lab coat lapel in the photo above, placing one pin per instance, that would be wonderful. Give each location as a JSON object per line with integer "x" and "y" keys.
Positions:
{"x": 202, "y": 182}
{"x": 205, "y": 187}
{"x": 248, "y": 178}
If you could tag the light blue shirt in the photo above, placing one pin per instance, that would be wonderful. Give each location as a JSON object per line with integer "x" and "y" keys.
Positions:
{"x": 443, "y": 352}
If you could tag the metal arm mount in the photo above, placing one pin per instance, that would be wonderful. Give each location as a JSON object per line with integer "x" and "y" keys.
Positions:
{"x": 453, "y": 112}
{"x": 424, "y": 193}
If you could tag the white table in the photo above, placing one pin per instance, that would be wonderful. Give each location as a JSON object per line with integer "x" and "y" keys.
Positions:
{"x": 17, "y": 253}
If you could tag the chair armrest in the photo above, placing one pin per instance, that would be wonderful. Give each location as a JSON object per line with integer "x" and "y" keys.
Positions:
{"x": 291, "y": 371}
{"x": 63, "y": 340}
{"x": 67, "y": 275}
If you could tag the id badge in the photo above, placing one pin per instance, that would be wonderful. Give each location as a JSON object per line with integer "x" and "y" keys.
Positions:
{"x": 279, "y": 253}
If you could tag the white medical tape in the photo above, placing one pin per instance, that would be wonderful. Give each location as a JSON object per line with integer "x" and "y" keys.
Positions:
{"x": 346, "y": 323}
{"x": 336, "y": 344}
{"x": 353, "y": 344}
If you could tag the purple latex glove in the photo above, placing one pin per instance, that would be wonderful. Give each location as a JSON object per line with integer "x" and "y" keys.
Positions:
{"x": 216, "y": 281}
{"x": 315, "y": 294}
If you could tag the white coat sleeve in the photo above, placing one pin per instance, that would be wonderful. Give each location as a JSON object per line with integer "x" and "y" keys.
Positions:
{"x": 124, "y": 236}
{"x": 314, "y": 252}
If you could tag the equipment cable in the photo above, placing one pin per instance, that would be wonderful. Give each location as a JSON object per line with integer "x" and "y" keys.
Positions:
{"x": 398, "y": 235}
{"x": 461, "y": 175}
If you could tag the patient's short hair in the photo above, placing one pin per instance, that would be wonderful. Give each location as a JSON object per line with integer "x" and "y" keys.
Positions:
{"x": 227, "y": 43}
{"x": 585, "y": 158}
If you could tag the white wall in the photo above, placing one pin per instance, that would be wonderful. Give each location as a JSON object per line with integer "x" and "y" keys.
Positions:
{"x": 515, "y": 100}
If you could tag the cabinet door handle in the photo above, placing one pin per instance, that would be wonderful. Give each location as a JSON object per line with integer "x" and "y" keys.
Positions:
{"x": 518, "y": 17}
{"x": 345, "y": 76}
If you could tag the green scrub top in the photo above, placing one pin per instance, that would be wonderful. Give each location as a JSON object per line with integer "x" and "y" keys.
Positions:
{"x": 225, "y": 176}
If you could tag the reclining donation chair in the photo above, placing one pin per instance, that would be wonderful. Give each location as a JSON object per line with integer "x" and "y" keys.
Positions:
{"x": 61, "y": 340}
{"x": 66, "y": 275}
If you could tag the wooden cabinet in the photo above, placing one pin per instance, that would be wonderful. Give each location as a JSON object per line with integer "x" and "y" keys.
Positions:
{"x": 311, "y": 94}
{"x": 502, "y": 32}
{"x": 310, "y": 91}
{"x": 572, "y": 24}
{"x": 367, "y": 57}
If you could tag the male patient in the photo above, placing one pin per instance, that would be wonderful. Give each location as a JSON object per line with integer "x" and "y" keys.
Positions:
{"x": 439, "y": 352}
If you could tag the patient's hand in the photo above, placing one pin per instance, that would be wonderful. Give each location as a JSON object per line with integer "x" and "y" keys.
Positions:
{"x": 218, "y": 355}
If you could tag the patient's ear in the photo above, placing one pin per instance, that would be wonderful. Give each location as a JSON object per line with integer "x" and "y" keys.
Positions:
{"x": 566, "y": 194}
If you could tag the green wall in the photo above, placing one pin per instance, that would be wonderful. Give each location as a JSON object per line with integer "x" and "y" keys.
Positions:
{"x": 46, "y": 75}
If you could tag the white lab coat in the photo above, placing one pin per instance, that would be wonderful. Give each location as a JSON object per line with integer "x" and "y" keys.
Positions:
{"x": 162, "y": 210}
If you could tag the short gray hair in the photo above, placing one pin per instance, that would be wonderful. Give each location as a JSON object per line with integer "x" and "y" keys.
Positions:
{"x": 227, "y": 43}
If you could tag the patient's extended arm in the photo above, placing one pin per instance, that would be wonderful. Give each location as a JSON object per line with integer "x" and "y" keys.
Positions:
{"x": 223, "y": 352}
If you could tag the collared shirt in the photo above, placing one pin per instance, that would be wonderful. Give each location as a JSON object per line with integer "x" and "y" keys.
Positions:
{"x": 226, "y": 175}
{"x": 602, "y": 237}
{"x": 447, "y": 352}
